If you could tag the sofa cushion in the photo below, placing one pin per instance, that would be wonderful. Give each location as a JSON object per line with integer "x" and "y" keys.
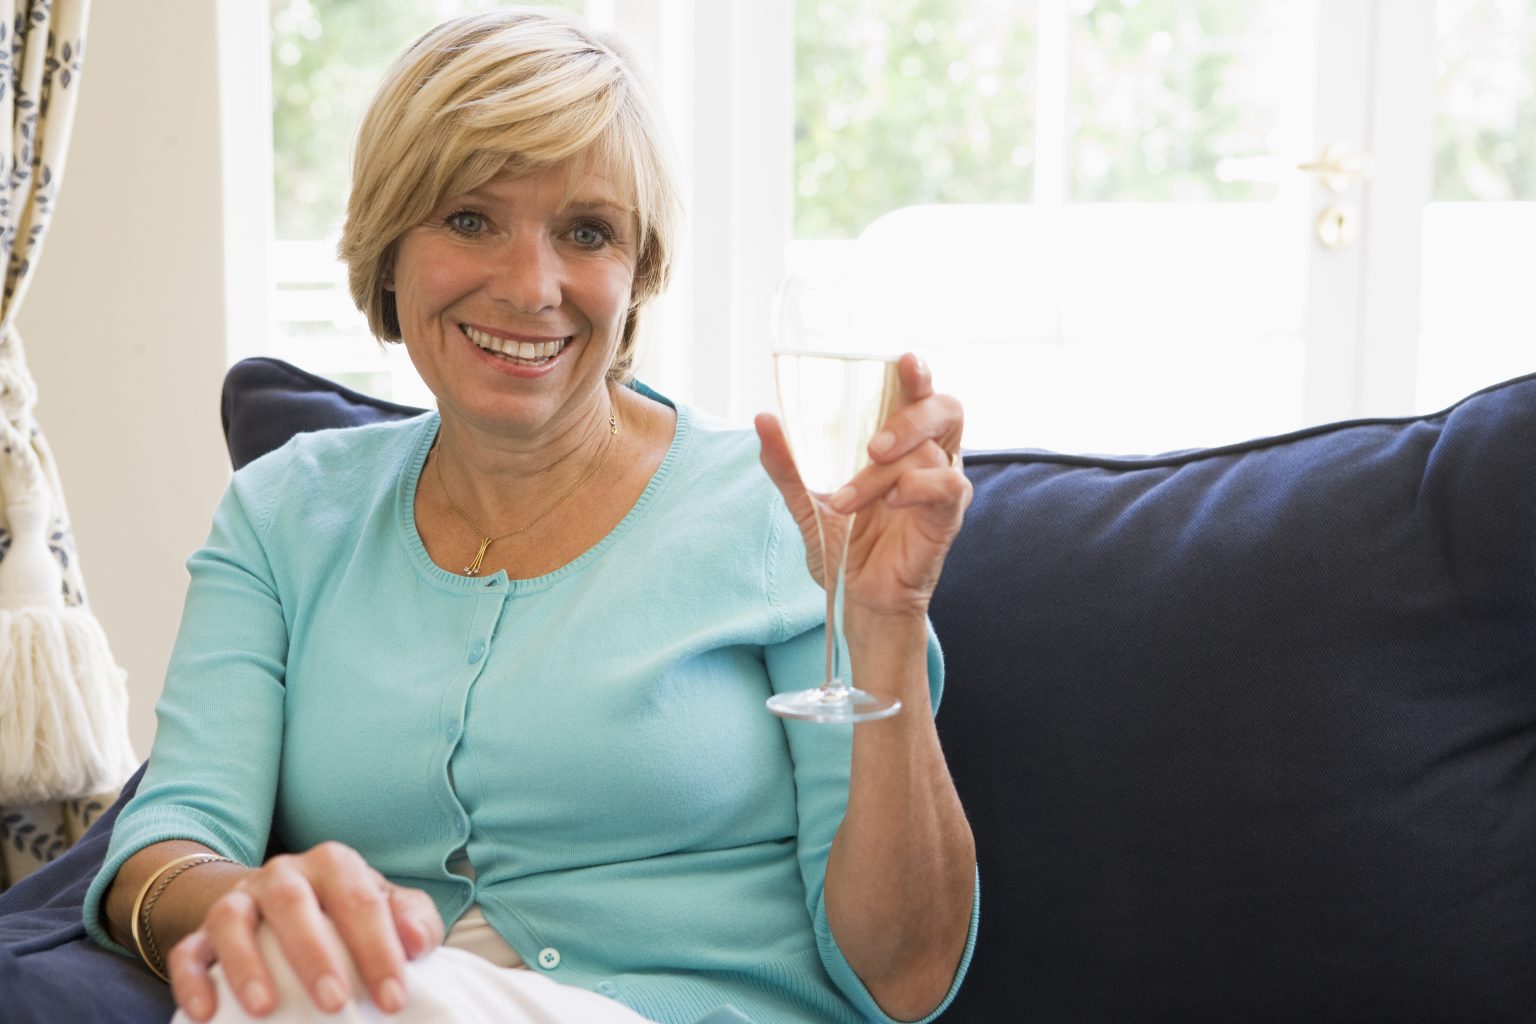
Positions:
{"x": 1245, "y": 734}
{"x": 1249, "y": 733}
{"x": 266, "y": 401}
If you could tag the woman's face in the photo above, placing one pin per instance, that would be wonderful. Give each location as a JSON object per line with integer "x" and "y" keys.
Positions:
{"x": 512, "y": 297}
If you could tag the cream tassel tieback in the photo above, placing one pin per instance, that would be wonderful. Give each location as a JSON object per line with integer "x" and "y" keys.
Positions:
{"x": 63, "y": 706}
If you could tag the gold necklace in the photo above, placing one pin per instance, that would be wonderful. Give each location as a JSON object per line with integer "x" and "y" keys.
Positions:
{"x": 486, "y": 540}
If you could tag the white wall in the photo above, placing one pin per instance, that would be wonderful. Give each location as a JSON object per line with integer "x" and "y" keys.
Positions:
{"x": 124, "y": 323}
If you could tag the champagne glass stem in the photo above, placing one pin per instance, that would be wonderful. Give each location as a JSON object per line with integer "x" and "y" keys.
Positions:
{"x": 835, "y": 530}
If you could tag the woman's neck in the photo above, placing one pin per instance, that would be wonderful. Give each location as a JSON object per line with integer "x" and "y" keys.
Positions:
{"x": 500, "y": 482}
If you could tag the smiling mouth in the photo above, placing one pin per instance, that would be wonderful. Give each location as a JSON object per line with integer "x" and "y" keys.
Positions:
{"x": 524, "y": 353}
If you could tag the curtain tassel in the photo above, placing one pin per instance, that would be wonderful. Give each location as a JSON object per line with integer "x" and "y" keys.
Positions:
{"x": 63, "y": 703}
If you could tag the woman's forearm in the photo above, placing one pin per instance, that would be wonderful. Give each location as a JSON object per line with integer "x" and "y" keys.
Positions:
{"x": 901, "y": 874}
{"x": 181, "y": 905}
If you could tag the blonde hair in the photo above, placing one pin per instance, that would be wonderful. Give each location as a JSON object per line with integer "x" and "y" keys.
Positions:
{"x": 506, "y": 92}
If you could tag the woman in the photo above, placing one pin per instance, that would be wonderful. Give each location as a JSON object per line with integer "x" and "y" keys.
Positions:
{"x": 499, "y": 670}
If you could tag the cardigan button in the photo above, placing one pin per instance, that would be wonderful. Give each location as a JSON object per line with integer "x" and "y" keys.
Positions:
{"x": 549, "y": 958}
{"x": 476, "y": 652}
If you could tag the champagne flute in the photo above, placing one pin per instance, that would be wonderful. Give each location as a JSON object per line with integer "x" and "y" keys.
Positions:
{"x": 832, "y": 403}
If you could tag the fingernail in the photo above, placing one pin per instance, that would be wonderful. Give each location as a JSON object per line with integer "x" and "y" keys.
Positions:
{"x": 424, "y": 935}
{"x": 843, "y": 498}
{"x": 391, "y": 996}
{"x": 410, "y": 937}
{"x": 257, "y": 999}
{"x": 882, "y": 442}
{"x": 330, "y": 996}
{"x": 197, "y": 1007}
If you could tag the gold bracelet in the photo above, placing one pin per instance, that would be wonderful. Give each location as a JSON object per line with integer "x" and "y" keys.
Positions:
{"x": 144, "y": 938}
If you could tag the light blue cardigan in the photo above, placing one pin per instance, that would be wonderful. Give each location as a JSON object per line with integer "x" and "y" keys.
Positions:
{"x": 596, "y": 737}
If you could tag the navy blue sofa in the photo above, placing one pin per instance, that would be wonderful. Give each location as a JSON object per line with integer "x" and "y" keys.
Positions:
{"x": 1246, "y": 734}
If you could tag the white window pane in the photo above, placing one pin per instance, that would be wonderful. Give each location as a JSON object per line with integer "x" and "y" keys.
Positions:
{"x": 1485, "y": 100}
{"x": 1172, "y": 100}
{"x": 1141, "y": 283}
{"x": 901, "y": 103}
{"x": 1480, "y": 236}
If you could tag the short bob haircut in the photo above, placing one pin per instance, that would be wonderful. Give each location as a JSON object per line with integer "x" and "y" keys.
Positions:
{"x": 510, "y": 91}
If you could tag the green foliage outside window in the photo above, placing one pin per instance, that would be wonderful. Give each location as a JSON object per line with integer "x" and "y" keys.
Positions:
{"x": 1162, "y": 92}
{"x": 1485, "y": 104}
{"x": 900, "y": 102}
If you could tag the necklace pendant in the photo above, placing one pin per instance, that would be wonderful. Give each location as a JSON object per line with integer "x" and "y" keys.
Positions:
{"x": 473, "y": 568}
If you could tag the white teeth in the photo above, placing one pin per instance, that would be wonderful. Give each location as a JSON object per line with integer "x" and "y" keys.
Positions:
{"x": 525, "y": 350}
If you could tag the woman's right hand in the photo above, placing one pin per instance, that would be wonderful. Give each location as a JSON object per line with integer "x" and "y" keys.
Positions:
{"x": 325, "y": 907}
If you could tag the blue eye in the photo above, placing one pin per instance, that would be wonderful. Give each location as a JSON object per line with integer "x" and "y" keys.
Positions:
{"x": 591, "y": 234}
{"x": 466, "y": 222}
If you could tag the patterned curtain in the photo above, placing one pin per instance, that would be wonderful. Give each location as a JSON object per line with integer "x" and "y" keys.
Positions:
{"x": 63, "y": 727}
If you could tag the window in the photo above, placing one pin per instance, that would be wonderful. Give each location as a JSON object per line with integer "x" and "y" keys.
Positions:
{"x": 1099, "y": 223}
{"x": 1094, "y": 217}
{"x": 1075, "y": 205}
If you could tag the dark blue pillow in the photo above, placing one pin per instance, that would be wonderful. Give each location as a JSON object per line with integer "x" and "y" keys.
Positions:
{"x": 1249, "y": 733}
{"x": 266, "y": 401}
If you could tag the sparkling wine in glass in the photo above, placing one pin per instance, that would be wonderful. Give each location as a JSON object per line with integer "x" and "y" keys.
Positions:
{"x": 831, "y": 404}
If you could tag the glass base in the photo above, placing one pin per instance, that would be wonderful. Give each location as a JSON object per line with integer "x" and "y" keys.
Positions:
{"x": 833, "y": 704}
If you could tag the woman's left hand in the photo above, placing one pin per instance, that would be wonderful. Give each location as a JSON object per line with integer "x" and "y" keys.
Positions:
{"x": 902, "y": 867}
{"x": 909, "y": 500}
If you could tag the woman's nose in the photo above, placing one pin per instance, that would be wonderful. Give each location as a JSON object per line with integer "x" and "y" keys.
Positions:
{"x": 526, "y": 274}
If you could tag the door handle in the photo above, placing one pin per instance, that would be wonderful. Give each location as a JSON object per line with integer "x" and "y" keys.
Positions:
{"x": 1338, "y": 167}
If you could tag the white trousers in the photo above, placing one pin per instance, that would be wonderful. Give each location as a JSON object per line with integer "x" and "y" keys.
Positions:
{"x": 447, "y": 986}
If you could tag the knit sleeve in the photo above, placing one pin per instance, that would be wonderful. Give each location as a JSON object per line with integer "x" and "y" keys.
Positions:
{"x": 212, "y": 772}
{"x": 822, "y": 756}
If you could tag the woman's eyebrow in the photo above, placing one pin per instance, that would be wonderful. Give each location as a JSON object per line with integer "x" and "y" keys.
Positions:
{"x": 591, "y": 204}
{"x": 577, "y": 201}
